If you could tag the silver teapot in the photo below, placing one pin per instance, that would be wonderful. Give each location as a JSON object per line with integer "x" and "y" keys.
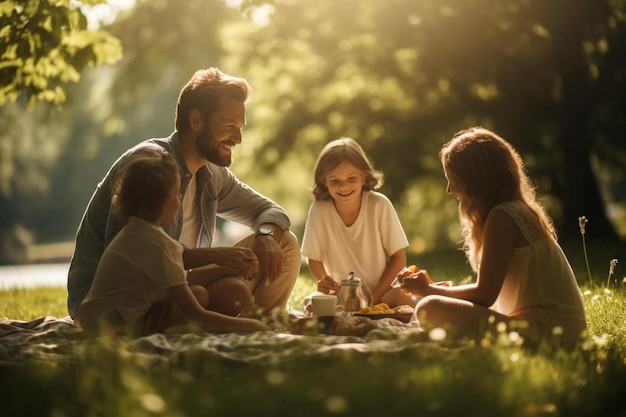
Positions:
{"x": 353, "y": 294}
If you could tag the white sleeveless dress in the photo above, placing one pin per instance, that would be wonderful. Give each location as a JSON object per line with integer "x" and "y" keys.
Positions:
{"x": 540, "y": 286}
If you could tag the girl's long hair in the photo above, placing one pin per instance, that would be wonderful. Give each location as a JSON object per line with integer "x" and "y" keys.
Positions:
{"x": 487, "y": 171}
{"x": 336, "y": 152}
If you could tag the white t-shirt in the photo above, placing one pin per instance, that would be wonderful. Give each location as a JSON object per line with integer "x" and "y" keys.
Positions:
{"x": 540, "y": 284}
{"x": 135, "y": 271}
{"x": 191, "y": 216}
{"x": 363, "y": 248}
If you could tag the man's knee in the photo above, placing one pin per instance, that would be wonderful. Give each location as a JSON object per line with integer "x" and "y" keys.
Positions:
{"x": 289, "y": 242}
{"x": 291, "y": 250}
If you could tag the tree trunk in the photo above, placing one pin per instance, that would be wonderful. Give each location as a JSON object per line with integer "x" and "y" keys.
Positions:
{"x": 581, "y": 194}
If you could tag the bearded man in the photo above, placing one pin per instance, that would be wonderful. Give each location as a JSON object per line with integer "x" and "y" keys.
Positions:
{"x": 256, "y": 274}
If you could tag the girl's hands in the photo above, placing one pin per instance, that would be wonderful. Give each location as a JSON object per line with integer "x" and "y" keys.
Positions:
{"x": 327, "y": 285}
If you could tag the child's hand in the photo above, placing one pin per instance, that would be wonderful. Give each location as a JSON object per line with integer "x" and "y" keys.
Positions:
{"x": 417, "y": 283}
{"x": 327, "y": 285}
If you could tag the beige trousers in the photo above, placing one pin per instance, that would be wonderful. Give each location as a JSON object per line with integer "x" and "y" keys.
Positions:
{"x": 273, "y": 296}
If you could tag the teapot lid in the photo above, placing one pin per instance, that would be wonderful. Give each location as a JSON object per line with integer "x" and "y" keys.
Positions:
{"x": 351, "y": 280}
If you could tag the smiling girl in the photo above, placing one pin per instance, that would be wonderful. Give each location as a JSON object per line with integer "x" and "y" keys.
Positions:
{"x": 351, "y": 228}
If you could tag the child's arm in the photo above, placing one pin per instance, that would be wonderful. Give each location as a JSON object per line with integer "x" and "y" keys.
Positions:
{"x": 241, "y": 260}
{"x": 234, "y": 257}
{"x": 210, "y": 321}
{"x": 210, "y": 274}
{"x": 396, "y": 262}
{"x": 325, "y": 283}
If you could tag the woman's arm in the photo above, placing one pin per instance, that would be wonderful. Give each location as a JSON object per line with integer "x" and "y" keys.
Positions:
{"x": 499, "y": 236}
{"x": 499, "y": 239}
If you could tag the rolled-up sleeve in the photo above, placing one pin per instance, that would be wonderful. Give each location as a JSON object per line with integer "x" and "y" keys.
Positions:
{"x": 237, "y": 202}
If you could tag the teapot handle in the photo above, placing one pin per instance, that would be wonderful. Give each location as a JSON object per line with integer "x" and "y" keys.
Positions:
{"x": 369, "y": 296}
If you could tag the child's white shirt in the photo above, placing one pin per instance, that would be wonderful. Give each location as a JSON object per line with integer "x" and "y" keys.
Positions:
{"x": 363, "y": 247}
{"x": 135, "y": 271}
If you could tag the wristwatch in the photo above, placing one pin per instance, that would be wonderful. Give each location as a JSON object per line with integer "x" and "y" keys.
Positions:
{"x": 264, "y": 231}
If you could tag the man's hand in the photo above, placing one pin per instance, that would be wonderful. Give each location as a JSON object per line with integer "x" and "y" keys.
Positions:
{"x": 270, "y": 257}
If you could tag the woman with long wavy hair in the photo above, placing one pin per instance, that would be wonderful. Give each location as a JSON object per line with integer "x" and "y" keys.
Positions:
{"x": 524, "y": 280}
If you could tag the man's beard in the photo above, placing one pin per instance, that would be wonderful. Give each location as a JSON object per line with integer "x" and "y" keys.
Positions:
{"x": 210, "y": 149}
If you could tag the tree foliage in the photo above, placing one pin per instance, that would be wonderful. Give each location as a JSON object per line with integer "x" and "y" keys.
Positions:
{"x": 51, "y": 158}
{"x": 45, "y": 44}
{"x": 402, "y": 76}
{"x": 399, "y": 76}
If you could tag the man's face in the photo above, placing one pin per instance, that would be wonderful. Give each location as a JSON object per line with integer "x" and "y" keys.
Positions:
{"x": 222, "y": 132}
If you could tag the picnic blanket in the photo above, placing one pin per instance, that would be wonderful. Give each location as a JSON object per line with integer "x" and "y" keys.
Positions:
{"x": 57, "y": 339}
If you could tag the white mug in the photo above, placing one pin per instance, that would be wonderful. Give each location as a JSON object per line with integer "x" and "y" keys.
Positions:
{"x": 324, "y": 305}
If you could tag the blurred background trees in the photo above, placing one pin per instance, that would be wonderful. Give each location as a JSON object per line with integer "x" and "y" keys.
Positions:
{"x": 399, "y": 76}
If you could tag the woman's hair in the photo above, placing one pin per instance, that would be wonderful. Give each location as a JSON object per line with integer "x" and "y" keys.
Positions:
{"x": 145, "y": 184}
{"x": 486, "y": 170}
{"x": 336, "y": 152}
{"x": 203, "y": 91}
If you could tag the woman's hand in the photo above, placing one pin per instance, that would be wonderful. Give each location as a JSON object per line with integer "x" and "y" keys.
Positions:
{"x": 404, "y": 272}
{"x": 418, "y": 283}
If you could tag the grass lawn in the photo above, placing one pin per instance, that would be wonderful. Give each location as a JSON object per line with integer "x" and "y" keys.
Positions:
{"x": 495, "y": 378}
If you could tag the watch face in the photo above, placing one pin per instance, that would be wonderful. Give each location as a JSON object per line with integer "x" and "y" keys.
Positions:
{"x": 265, "y": 231}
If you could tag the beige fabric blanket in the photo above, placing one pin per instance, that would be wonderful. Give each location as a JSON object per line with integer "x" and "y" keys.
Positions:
{"x": 57, "y": 339}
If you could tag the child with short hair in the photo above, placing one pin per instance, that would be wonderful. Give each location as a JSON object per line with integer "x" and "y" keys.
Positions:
{"x": 352, "y": 228}
{"x": 524, "y": 279}
{"x": 140, "y": 286}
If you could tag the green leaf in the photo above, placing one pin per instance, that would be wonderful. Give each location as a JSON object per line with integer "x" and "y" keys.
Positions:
{"x": 44, "y": 44}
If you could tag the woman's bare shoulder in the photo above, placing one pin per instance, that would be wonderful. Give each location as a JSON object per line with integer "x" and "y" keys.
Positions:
{"x": 504, "y": 222}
